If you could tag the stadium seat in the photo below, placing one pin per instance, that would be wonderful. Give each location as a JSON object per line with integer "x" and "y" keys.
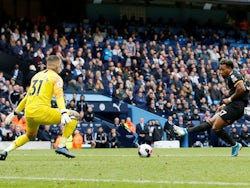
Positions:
{"x": 84, "y": 127}
{"x": 195, "y": 122}
{"x": 96, "y": 126}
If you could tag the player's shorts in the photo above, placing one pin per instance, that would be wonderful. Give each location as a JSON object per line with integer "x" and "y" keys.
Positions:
{"x": 42, "y": 116}
{"x": 233, "y": 111}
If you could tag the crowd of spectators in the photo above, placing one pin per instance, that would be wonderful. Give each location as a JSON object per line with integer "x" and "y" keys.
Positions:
{"x": 168, "y": 70}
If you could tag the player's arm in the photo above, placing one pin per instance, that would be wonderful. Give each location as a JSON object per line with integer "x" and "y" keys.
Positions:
{"x": 21, "y": 105}
{"x": 239, "y": 91}
{"x": 59, "y": 95}
{"x": 18, "y": 109}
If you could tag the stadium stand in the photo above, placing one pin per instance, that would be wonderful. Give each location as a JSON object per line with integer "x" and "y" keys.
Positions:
{"x": 162, "y": 54}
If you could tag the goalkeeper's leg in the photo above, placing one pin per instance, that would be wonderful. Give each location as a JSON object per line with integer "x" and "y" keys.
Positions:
{"x": 21, "y": 140}
{"x": 67, "y": 132}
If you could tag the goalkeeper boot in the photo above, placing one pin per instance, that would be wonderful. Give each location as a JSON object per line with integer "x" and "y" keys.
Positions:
{"x": 180, "y": 131}
{"x": 236, "y": 149}
{"x": 3, "y": 155}
{"x": 64, "y": 151}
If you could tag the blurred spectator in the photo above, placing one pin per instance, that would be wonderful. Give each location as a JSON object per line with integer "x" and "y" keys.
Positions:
{"x": 168, "y": 128}
{"x": 130, "y": 126}
{"x": 77, "y": 71}
{"x": 130, "y": 98}
{"x": 206, "y": 116}
{"x": 234, "y": 134}
{"x": 141, "y": 130}
{"x": 72, "y": 105}
{"x": 245, "y": 136}
{"x": 55, "y": 131}
{"x": 97, "y": 36}
{"x": 129, "y": 52}
{"x": 77, "y": 140}
{"x": 152, "y": 108}
{"x": 81, "y": 104}
{"x": 3, "y": 43}
{"x": 158, "y": 131}
{"x": 67, "y": 75}
{"x": 140, "y": 100}
{"x": 195, "y": 115}
{"x": 107, "y": 55}
{"x": 89, "y": 114}
{"x": 17, "y": 74}
{"x": 149, "y": 132}
{"x": 6, "y": 107}
{"x": 89, "y": 138}
{"x": 99, "y": 86}
{"x": 120, "y": 92}
{"x": 18, "y": 132}
{"x": 113, "y": 139}
{"x": 31, "y": 73}
{"x": 110, "y": 90}
{"x": 199, "y": 93}
{"x": 45, "y": 134}
{"x": 96, "y": 48}
{"x": 101, "y": 138}
{"x": 18, "y": 50}
{"x": 215, "y": 94}
{"x": 10, "y": 136}
{"x": 80, "y": 86}
{"x": 4, "y": 131}
{"x": 116, "y": 122}
{"x": 181, "y": 122}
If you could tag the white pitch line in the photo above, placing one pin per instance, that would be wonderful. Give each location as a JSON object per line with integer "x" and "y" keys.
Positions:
{"x": 129, "y": 181}
{"x": 154, "y": 155}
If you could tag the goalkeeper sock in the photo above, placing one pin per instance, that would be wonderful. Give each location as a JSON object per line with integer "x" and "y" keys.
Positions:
{"x": 67, "y": 132}
{"x": 204, "y": 126}
{"x": 21, "y": 140}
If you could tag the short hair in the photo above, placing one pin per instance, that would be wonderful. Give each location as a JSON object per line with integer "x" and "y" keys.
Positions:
{"x": 52, "y": 58}
{"x": 227, "y": 62}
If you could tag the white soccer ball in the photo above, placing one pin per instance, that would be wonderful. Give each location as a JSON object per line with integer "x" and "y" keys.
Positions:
{"x": 145, "y": 150}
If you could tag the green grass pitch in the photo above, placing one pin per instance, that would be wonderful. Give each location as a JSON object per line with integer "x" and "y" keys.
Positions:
{"x": 111, "y": 168}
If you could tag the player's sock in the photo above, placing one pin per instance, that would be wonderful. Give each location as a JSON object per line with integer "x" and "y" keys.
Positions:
{"x": 224, "y": 136}
{"x": 21, "y": 140}
{"x": 68, "y": 131}
{"x": 204, "y": 126}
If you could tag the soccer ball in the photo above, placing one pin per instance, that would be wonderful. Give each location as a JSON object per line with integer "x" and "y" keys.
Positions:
{"x": 145, "y": 150}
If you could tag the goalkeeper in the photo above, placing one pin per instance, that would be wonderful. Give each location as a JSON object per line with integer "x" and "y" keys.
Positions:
{"x": 37, "y": 104}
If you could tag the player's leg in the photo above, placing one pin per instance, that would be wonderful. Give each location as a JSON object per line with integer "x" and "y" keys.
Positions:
{"x": 50, "y": 116}
{"x": 222, "y": 133}
{"x": 67, "y": 132}
{"x": 31, "y": 132}
{"x": 218, "y": 128}
{"x": 204, "y": 126}
{"x": 69, "y": 128}
{"x": 225, "y": 117}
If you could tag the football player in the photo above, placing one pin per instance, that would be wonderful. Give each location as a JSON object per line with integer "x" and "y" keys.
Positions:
{"x": 232, "y": 107}
{"x": 37, "y": 105}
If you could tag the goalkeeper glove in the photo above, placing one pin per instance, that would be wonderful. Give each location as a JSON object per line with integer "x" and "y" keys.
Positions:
{"x": 65, "y": 119}
{"x": 10, "y": 117}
